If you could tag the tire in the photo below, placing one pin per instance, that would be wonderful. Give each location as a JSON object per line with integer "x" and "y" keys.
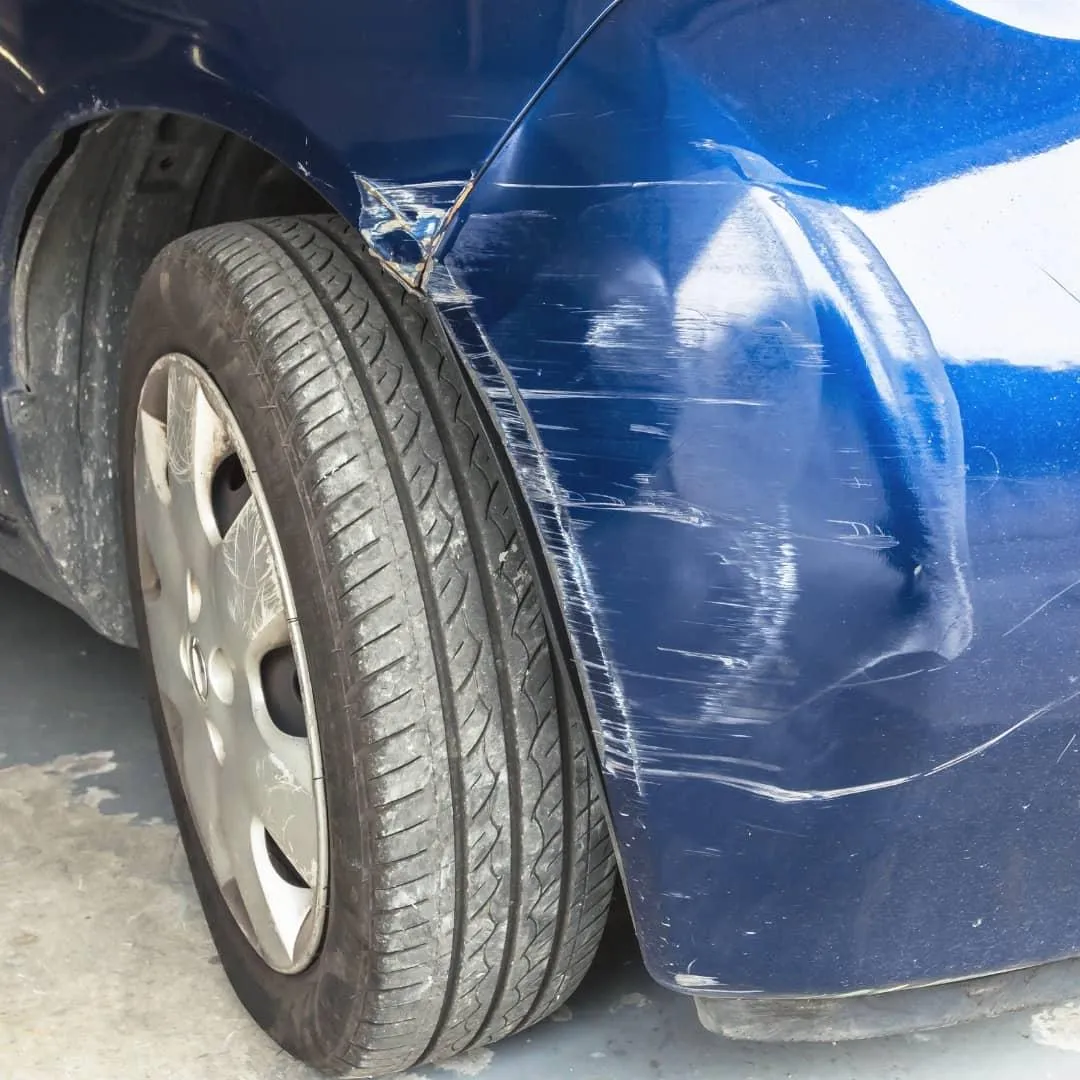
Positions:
{"x": 469, "y": 864}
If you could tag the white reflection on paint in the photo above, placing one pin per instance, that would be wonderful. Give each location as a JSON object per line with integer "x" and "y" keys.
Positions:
{"x": 1051, "y": 18}
{"x": 742, "y": 272}
{"x": 991, "y": 260}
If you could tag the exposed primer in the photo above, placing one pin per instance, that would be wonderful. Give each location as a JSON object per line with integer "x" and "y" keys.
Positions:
{"x": 403, "y": 223}
{"x": 651, "y": 503}
{"x": 731, "y": 662}
{"x": 1067, "y": 748}
{"x": 746, "y": 165}
{"x": 1042, "y": 607}
{"x": 870, "y": 535}
{"x": 697, "y": 982}
{"x": 27, "y": 79}
{"x": 624, "y": 326}
{"x": 442, "y": 289}
{"x": 636, "y": 395}
{"x": 617, "y": 185}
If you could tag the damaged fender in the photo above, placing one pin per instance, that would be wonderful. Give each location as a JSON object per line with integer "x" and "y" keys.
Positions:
{"x": 791, "y": 555}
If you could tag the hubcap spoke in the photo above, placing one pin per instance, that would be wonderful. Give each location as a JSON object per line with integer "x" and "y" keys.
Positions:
{"x": 157, "y": 538}
{"x": 246, "y": 587}
{"x": 165, "y": 630}
{"x": 242, "y": 836}
{"x": 196, "y": 440}
{"x": 216, "y": 607}
{"x": 280, "y": 787}
{"x": 202, "y": 775}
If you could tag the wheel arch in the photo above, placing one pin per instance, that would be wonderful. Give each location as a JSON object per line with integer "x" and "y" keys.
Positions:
{"x": 450, "y": 84}
{"x": 95, "y": 204}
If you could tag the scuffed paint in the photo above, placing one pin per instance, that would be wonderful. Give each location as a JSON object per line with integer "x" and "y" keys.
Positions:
{"x": 721, "y": 375}
{"x": 787, "y": 796}
{"x": 773, "y": 257}
{"x": 737, "y": 435}
{"x": 687, "y": 981}
{"x": 403, "y": 224}
{"x": 746, "y": 379}
{"x": 550, "y": 502}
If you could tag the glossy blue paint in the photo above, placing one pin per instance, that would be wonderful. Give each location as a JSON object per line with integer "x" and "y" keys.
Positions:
{"x": 415, "y": 93}
{"x": 778, "y": 302}
{"x": 789, "y": 293}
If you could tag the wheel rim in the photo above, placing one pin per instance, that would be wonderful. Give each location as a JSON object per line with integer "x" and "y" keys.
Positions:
{"x": 230, "y": 664}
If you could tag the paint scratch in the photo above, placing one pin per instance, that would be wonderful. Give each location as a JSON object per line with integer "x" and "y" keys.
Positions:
{"x": 787, "y": 796}
{"x": 1042, "y": 607}
{"x": 1066, "y": 750}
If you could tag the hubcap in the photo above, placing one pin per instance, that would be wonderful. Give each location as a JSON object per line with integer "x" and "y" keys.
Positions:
{"x": 230, "y": 664}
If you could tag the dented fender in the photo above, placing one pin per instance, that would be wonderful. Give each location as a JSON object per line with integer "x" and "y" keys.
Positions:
{"x": 728, "y": 287}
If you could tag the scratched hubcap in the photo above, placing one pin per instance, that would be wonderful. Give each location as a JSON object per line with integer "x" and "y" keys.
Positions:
{"x": 197, "y": 669}
{"x": 229, "y": 662}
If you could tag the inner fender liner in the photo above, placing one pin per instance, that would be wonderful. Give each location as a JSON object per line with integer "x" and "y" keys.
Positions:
{"x": 132, "y": 184}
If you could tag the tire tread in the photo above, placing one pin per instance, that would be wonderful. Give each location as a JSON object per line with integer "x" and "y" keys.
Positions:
{"x": 486, "y": 846}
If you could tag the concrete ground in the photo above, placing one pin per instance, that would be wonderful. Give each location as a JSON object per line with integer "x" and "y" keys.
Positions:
{"x": 107, "y": 973}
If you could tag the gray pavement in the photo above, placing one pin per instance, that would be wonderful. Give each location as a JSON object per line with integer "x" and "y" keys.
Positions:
{"x": 106, "y": 971}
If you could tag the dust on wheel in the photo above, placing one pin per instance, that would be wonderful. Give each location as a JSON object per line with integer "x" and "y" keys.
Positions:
{"x": 229, "y": 661}
{"x": 381, "y": 775}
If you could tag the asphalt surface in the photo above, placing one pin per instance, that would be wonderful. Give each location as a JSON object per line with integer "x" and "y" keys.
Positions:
{"x": 106, "y": 971}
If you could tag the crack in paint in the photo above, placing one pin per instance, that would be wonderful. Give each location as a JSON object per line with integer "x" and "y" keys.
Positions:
{"x": 404, "y": 223}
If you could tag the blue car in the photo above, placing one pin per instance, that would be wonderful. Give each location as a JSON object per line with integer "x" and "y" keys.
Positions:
{"x": 538, "y": 445}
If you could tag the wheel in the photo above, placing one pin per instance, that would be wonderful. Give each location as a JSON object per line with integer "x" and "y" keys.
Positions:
{"x": 380, "y": 774}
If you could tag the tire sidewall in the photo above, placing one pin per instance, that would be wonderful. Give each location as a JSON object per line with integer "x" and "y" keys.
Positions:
{"x": 186, "y": 306}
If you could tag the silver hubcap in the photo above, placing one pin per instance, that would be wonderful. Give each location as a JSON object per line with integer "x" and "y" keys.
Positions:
{"x": 230, "y": 662}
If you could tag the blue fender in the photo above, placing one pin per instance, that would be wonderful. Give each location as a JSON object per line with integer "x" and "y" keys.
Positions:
{"x": 778, "y": 306}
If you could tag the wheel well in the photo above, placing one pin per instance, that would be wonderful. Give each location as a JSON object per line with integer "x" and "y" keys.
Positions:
{"x": 116, "y": 193}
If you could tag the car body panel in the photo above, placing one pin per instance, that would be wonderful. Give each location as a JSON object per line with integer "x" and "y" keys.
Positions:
{"x": 345, "y": 94}
{"x": 776, "y": 301}
{"x": 795, "y": 325}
